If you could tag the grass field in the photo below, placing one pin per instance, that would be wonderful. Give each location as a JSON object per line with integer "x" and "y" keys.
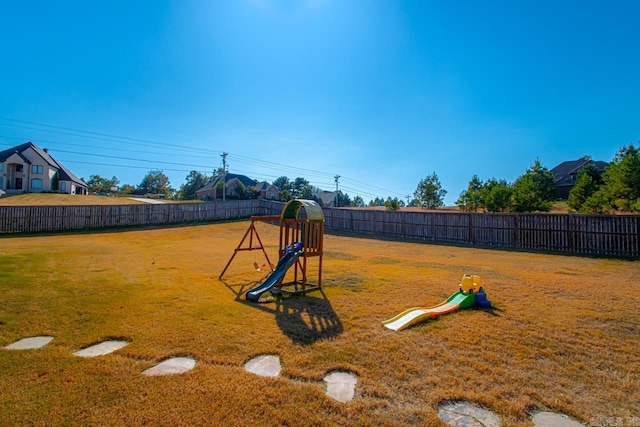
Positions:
{"x": 54, "y": 199}
{"x": 563, "y": 335}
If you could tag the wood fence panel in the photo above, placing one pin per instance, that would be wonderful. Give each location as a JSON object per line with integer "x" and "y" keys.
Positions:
{"x": 609, "y": 235}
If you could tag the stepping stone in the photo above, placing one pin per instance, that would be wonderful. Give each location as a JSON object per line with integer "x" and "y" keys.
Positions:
{"x": 101, "y": 349}
{"x": 175, "y": 365}
{"x": 341, "y": 386}
{"x": 265, "y": 366}
{"x": 29, "y": 343}
{"x": 464, "y": 414}
{"x": 551, "y": 419}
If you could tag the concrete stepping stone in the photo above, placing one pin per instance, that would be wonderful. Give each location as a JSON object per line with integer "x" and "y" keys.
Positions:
{"x": 465, "y": 414}
{"x": 551, "y": 419}
{"x": 341, "y": 385}
{"x": 30, "y": 343}
{"x": 175, "y": 365}
{"x": 101, "y": 349}
{"x": 265, "y": 366}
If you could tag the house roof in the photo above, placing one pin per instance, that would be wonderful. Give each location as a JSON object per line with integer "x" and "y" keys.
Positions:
{"x": 564, "y": 171}
{"x": 326, "y": 197}
{"x": 245, "y": 180}
{"x": 264, "y": 185}
{"x": 64, "y": 173}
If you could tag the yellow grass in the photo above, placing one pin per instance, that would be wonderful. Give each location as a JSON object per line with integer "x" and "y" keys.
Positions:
{"x": 563, "y": 335}
{"x": 54, "y": 199}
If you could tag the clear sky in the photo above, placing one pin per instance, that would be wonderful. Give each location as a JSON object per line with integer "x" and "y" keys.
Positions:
{"x": 382, "y": 93}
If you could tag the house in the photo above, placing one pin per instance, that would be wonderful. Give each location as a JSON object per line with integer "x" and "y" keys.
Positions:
{"x": 565, "y": 174}
{"x": 267, "y": 191}
{"x": 27, "y": 168}
{"x": 327, "y": 198}
{"x": 233, "y": 182}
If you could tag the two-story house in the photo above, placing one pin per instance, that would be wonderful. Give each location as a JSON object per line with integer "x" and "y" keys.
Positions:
{"x": 27, "y": 168}
{"x": 232, "y": 183}
{"x": 565, "y": 174}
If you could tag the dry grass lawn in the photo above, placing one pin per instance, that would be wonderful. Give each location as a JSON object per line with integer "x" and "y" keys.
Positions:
{"x": 54, "y": 199}
{"x": 563, "y": 335}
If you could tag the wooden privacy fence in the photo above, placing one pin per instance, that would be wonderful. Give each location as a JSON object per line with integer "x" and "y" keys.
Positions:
{"x": 16, "y": 219}
{"x": 610, "y": 235}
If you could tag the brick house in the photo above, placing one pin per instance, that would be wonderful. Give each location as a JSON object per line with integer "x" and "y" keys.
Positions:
{"x": 213, "y": 190}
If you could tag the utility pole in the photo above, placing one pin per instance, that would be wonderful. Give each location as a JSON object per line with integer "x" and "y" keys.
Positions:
{"x": 337, "y": 177}
{"x": 224, "y": 175}
{"x": 408, "y": 196}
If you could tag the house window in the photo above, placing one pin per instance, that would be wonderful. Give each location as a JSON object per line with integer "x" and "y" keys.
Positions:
{"x": 36, "y": 168}
{"x": 18, "y": 168}
{"x": 63, "y": 187}
{"x": 36, "y": 184}
{"x": 1, "y": 166}
{"x": 0, "y": 180}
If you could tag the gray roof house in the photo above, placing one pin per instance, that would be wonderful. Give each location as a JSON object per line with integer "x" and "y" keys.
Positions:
{"x": 267, "y": 191}
{"x": 327, "y": 198}
{"x": 565, "y": 174}
{"x": 27, "y": 168}
{"x": 213, "y": 190}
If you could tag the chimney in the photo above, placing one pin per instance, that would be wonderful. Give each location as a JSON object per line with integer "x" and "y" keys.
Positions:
{"x": 46, "y": 150}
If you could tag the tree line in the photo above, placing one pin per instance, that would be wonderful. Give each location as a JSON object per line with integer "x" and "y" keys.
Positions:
{"x": 616, "y": 189}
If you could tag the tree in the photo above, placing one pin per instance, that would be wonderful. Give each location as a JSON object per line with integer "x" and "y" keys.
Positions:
{"x": 342, "y": 199}
{"x": 307, "y": 192}
{"x": 378, "y": 201}
{"x": 239, "y": 190}
{"x": 621, "y": 179}
{"x": 155, "y": 182}
{"x": 297, "y": 186}
{"x": 597, "y": 203}
{"x": 587, "y": 183}
{"x": 358, "y": 202}
{"x": 194, "y": 181}
{"x": 534, "y": 191}
{"x": 127, "y": 189}
{"x": 497, "y": 195}
{"x": 285, "y": 195}
{"x": 429, "y": 192}
{"x": 393, "y": 204}
{"x": 98, "y": 184}
{"x": 471, "y": 199}
{"x": 282, "y": 183}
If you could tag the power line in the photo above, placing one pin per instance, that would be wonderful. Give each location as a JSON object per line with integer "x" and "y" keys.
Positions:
{"x": 362, "y": 188}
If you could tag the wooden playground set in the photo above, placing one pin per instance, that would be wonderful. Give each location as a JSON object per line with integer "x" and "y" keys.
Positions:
{"x": 301, "y": 223}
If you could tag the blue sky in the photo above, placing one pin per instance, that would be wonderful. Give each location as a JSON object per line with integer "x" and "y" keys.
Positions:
{"x": 382, "y": 93}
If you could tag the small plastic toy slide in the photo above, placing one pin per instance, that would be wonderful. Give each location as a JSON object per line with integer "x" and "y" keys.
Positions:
{"x": 291, "y": 254}
{"x": 417, "y": 314}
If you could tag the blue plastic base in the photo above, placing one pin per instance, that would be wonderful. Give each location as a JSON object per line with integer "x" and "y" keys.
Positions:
{"x": 482, "y": 301}
{"x": 483, "y": 304}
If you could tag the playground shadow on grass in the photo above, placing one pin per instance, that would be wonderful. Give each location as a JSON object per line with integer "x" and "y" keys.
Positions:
{"x": 307, "y": 319}
{"x": 493, "y": 310}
